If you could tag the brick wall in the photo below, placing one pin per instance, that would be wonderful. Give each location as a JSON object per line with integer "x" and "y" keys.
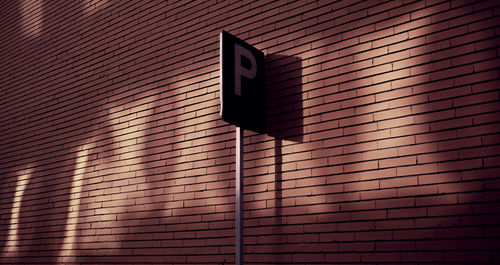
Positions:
{"x": 383, "y": 144}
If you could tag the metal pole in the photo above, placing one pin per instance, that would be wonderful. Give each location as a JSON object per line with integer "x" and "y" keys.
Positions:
{"x": 239, "y": 196}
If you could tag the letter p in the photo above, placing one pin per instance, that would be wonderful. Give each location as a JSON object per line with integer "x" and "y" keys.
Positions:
{"x": 240, "y": 70}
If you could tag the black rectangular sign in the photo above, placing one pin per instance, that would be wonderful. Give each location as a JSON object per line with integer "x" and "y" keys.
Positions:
{"x": 242, "y": 92}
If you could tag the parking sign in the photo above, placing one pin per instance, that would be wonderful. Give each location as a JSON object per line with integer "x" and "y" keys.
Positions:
{"x": 242, "y": 92}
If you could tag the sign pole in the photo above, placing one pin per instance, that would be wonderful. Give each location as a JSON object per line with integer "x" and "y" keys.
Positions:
{"x": 239, "y": 197}
{"x": 243, "y": 104}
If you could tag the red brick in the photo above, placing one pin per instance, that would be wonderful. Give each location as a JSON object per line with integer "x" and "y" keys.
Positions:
{"x": 395, "y": 246}
{"x": 460, "y": 165}
{"x": 345, "y": 159}
{"x": 449, "y": 210}
{"x": 475, "y": 99}
{"x": 399, "y": 141}
{"x": 399, "y": 182}
{"x": 362, "y": 166}
{"x": 369, "y": 136}
{"x": 471, "y": 37}
{"x": 487, "y": 43}
{"x": 395, "y": 123}
{"x": 448, "y": 73}
{"x": 368, "y": 215}
{"x": 459, "y": 143}
{"x": 367, "y": 127}
{"x": 449, "y": 124}
{"x": 432, "y": 106}
{"x": 437, "y": 157}
{"x": 406, "y": 101}
{"x": 365, "y": 185}
{"x": 487, "y": 65}
{"x": 411, "y": 61}
{"x": 475, "y": 57}
{"x": 455, "y": 188}
{"x": 422, "y": 257}
{"x": 390, "y": 76}
{"x": 392, "y": 113}
{"x": 378, "y": 154}
{"x": 417, "y": 149}
{"x": 475, "y": 78}
{"x": 378, "y": 194}
{"x": 356, "y": 206}
{"x": 412, "y": 42}
{"x": 343, "y": 257}
{"x": 409, "y": 130}
{"x": 400, "y": 161}
{"x": 417, "y": 170}
{"x": 394, "y": 203}
{"x": 430, "y": 10}
{"x": 360, "y": 119}
{"x": 308, "y": 257}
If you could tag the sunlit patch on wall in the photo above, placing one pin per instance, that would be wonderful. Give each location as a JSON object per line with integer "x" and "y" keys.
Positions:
{"x": 66, "y": 253}
{"x": 11, "y": 246}
{"x": 31, "y": 17}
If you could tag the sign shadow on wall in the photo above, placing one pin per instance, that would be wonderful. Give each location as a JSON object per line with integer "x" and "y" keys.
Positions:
{"x": 283, "y": 81}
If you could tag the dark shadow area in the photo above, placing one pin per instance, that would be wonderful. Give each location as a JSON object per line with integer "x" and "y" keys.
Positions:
{"x": 283, "y": 82}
